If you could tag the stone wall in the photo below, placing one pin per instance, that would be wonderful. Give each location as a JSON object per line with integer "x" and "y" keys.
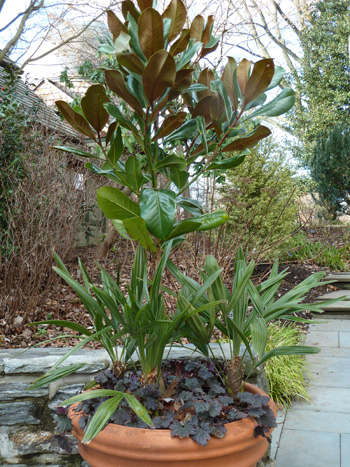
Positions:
{"x": 28, "y": 430}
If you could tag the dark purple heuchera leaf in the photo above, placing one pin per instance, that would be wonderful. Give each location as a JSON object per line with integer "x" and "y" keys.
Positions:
{"x": 164, "y": 421}
{"x": 201, "y": 407}
{"x": 268, "y": 419}
{"x": 216, "y": 389}
{"x": 235, "y": 414}
{"x": 205, "y": 373}
{"x": 226, "y": 400}
{"x": 182, "y": 430}
{"x": 64, "y": 443}
{"x": 202, "y": 434}
{"x": 261, "y": 431}
{"x": 255, "y": 400}
{"x": 192, "y": 383}
{"x": 82, "y": 422}
{"x": 215, "y": 408}
{"x": 121, "y": 416}
{"x": 185, "y": 395}
{"x": 63, "y": 423}
{"x": 256, "y": 411}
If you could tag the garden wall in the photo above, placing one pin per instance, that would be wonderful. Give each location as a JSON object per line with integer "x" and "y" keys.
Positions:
{"x": 28, "y": 430}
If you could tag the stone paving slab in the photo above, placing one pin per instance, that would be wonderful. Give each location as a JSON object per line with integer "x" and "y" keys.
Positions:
{"x": 330, "y": 325}
{"x": 276, "y": 434}
{"x": 323, "y": 338}
{"x": 333, "y": 352}
{"x": 318, "y": 421}
{"x": 329, "y": 364}
{"x": 344, "y": 340}
{"x": 345, "y": 449}
{"x": 343, "y": 306}
{"x": 335, "y": 294}
{"x": 302, "y": 448}
{"x": 326, "y": 399}
{"x": 340, "y": 379}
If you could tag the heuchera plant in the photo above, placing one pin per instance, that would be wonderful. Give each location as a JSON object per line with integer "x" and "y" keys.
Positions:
{"x": 185, "y": 122}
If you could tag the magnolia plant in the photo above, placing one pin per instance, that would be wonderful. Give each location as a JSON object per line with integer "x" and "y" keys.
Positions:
{"x": 185, "y": 121}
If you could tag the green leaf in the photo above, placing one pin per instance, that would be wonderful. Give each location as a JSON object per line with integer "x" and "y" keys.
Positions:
{"x": 176, "y": 12}
{"x": 192, "y": 206}
{"x": 134, "y": 173}
{"x": 288, "y": 350}
{"x": 188, "y": 54}
{"x": 138, "y": 408}
{"x": 184, "y": 227}
{"x": 172, "y": 161}
{"x": 277, "y": 77}
{"x": 52, "y": 376}
{"x": 158, "y": 210}
{"x": 64, "y": 324}
{"x": 116, "y": 149}
{"x": 202, "y": 132}
{"x": 219, "y": 87}
{"x": 85, "y": 396}
{"x": 229, "y": 163}
{"x": 151, "y": 33}
{"x": 249, "y": 141}
{"x": 115, "y": 204}
{"x": 76, "y": 152}
{"x": 109, "y": 173}
{"x": 101, "y": 417}
{"x": 122, "y": 43}
{"x": 278, "y": 106}
{"x": 136, "y": 228}
{"x": 158, "y": 75}
{"x": 76, "y": 120}
{"x": 115, "y": 82}
{"x": 113, "y": 110}
{"x": 134, "y": 41}
{"x": 120, "y": 228}
{"x": 135, "y": 87}
{"x": 259, "y": 335}
{"x": 92, "y": 105}
{"x": 178, "y": 177}
{"x": 186, "y": 131}
{"x": 259, "y": 80}
{"x": 211, "y": 220}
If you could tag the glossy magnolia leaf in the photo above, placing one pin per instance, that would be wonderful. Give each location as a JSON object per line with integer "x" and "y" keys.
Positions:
{"x": 207, "y": 31}
{"x": 200, "y": 151}
{"x": 278, "y": 106}
{"x": 208, "y": 50}
{"x": 249, "y": 141}
{"x": 76, "y": 152}
{"x": 188, "y": 54}
{"x": 176, "y": 11}
{"x": 205, "y": 78}
{"x": 183, "y": 81}
{"x": 115, "y": 82}
{"x": 178, "y": 177}
{"x": 172, "y": 161}
{"x": 158, "y": 75}
{"x": 122, "y": 43}
{"x": 211, "y": 220}
{"x": 128, "y": 7}
{"x": 181, "y": 44}
{"x": 158, "y": 210}
{"x": 113, "y": 110}
{"x": 134, "y": 173}
{"x": 151, "y": 32}
{"x": 196, "y": 29}
{"x": 277, "y": 77}
{"x": 116, "y": 149}
{"x": 217, "y": 111}
{"x": 243, "y": 74}
{"x": 136, "y": 228}
{"x": 115, "y": 25}
{"x": 120, "y": 228}
{"x": 260, "y": 100}
{"x": 110, "y": 132}
{"x": 76, "y": 120}
{"x": 229, "y": 163}
{"x": 108, "y": 173}
{"x": 227, "y": 78}
{"x": 219, "y": 87}
{"x": 131, "y": 62}
{"x": 190, "y": 205}
{"x": 259, "y": 80}
{"x": 258, "y": 330}
{"x": 115, "y": 204}
{"x": 187, "y": 131}
{"x": 203, "y": 109}
{"x": 134, "y": 38}
{"x": 202, "y": 132}
{"x": 143, "y": 4}
{"x": 135, "y": 87}
{"x": 170, "y": 124}
{"x": 184, "y": 227}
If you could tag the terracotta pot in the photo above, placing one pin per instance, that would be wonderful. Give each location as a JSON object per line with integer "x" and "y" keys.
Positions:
{"x": 119, "y": 446}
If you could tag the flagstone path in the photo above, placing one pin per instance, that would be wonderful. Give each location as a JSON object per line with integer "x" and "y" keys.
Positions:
{"x": 317, "y": 434}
